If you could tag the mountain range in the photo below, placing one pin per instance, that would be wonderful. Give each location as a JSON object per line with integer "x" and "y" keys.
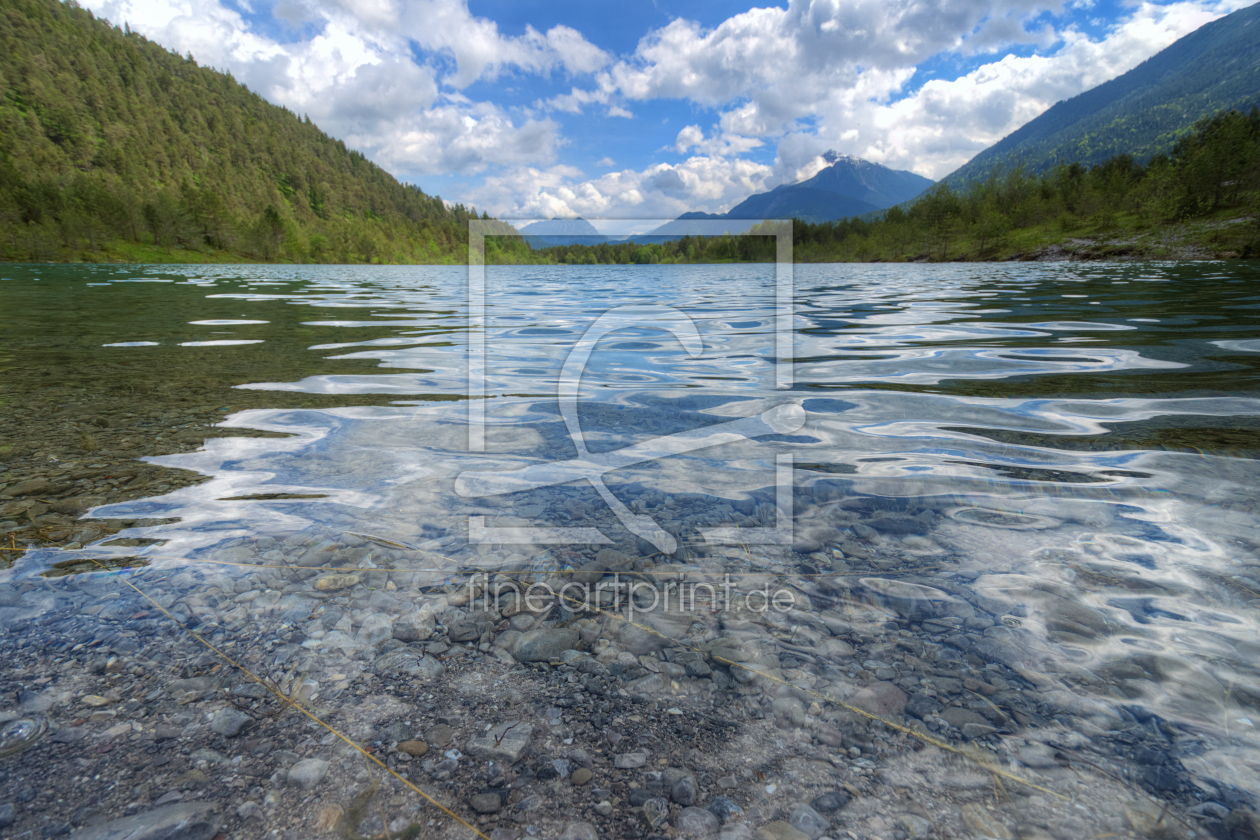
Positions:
{"x": 1142, "y": 112}
{"x": 846, "y": 186}
{"x": 552, "y": 232}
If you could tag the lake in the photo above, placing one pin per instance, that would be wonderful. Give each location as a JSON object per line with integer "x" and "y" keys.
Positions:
{"x": 877, "y": 551}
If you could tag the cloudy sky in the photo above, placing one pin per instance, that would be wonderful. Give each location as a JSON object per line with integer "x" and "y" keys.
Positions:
{"x": 648, "y": 109}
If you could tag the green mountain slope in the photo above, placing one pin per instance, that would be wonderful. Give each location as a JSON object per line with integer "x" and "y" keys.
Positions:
{"x": 111, "y": 147}
{"x": 1144, "y": 111}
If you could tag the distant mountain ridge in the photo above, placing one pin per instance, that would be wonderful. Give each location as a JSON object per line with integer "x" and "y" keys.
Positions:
{"x": 1143, "y": 111}
{"x": 847, "y": 186}
{"x": 551, "y": 232}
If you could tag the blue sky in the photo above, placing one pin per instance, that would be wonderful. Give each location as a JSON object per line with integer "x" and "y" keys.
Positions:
{"x": 646, "y": 110}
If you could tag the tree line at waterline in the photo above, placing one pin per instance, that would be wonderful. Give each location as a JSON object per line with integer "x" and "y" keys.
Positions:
{"x": 1204, "y": 191}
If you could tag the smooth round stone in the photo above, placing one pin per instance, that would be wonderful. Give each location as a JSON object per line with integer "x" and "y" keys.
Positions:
{"x": 911, "y": 600}
{"x": 440, "y": 735}
{"x": 880, "y": 698}
{"x": 414, "y": 748}
{"x": 831, "y": 801}
{"x": 334, "y": 583}
{"x": 485, "y": 803}
{"x": 546, "y": 644}
{"x": 697, "y": 822}
{"x": 308, "y": 773}
{"x": 581, "y": 776}
{"x": 579, "y": 831}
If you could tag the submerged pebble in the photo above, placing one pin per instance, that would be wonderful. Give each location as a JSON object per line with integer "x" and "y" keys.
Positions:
{"x": 21, "y": 734}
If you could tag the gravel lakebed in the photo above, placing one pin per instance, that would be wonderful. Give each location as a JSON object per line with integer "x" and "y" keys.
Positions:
{"x": 724, "y": 718}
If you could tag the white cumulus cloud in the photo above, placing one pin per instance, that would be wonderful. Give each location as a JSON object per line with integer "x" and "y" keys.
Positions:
{"x": 659, "y": 191}
{"x": 391, "y": 77}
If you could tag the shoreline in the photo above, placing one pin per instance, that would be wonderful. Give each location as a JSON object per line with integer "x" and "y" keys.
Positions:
{"x": 1178, "y": 242}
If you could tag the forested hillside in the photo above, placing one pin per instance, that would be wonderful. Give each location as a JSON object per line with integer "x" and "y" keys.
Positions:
{"x": 1144, "y": 111}
{"x": 111, "y": 147}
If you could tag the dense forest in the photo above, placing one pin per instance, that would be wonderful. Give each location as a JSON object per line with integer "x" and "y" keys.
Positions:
{"x": 1207, "y": 186}
{"x": 113, "y": 148}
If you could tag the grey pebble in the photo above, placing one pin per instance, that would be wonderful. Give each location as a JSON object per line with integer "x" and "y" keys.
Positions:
{"x": 308, "y": 773}
{"x": 723, "y": 807}
{"x": 416, "y": 626}
{"x": 504, "y": 743}
{"x": 485, "y": 803}
{"x": 546, "y": 644}
{"x": 697, "y": 822}
{"x": 229, "y": 722}
{"x": 185, "y": 820}
{"x": 684, "y": 791}
{"x": 915, "y": 826}
{"x": 833, "y": 800}
{"x": 807, "y": 820}
{"x": 579, "y": 831}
